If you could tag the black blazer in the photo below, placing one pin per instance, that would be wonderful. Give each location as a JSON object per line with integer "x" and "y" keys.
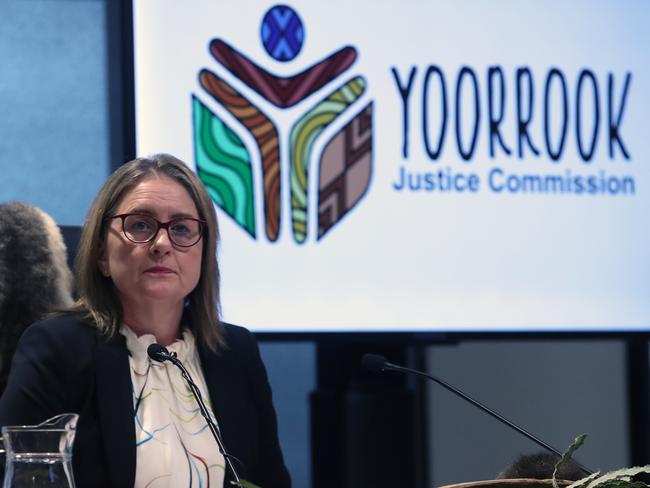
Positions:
{"x": 63, "y": 365}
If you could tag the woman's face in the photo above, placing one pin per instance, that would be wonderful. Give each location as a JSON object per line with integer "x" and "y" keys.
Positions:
{"x": 156, "y": 270}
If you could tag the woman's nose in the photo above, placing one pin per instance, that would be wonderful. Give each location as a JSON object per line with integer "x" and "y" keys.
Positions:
{"x": 161, "y": 241}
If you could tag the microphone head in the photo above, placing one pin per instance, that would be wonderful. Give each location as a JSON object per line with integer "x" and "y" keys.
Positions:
{"x": 157, "y": 352}
{"x": 373, "y": 362}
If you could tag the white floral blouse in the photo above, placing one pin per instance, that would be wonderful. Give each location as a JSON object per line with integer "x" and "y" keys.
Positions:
{"x": 174, "y": 446}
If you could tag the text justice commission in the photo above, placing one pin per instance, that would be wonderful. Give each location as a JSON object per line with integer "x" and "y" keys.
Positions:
{"x": 447, "y": 180}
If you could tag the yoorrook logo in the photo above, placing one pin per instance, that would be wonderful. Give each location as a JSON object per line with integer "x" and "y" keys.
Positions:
{"x": 225, "y": 165}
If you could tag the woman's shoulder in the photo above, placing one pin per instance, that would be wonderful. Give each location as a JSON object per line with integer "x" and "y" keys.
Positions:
{"x": 237, "y": 331}
{"x": 237, "y": 337}
{"x": 65, "y": 328}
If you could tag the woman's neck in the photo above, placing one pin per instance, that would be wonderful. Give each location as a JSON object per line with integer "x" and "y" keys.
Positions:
{"x": 161, "y": 320}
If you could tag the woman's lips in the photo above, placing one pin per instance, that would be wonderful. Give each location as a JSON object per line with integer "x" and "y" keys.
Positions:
{"x": 159, "y": 270}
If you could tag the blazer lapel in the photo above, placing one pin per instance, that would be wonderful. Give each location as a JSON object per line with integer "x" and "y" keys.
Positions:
{"x": 216, "y": 379}
{"x": 115, "y": 405}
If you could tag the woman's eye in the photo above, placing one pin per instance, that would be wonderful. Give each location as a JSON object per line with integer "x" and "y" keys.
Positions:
{"x": 140, "y": 225}
{"x": 180, "y": 229}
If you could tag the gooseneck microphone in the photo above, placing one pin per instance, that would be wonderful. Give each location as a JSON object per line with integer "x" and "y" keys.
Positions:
{"x": 158, "y": 353}
{"x": 377, "y": 364}
{"x": 161, "y": 354}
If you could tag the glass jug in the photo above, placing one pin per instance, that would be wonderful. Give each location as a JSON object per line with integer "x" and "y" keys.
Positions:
{"x": 40, "y": 455}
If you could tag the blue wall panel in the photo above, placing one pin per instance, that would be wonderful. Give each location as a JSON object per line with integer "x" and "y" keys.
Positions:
{"x": 292, "y": 373}
{"x": 53, "y": 105}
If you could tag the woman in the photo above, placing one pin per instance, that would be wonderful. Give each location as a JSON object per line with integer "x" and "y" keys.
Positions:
{"x": 147, "y": 272}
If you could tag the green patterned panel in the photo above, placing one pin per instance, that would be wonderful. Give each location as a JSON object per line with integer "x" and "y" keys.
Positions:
{"x": 301, "y": 140}
{"x": 224, "y": 166}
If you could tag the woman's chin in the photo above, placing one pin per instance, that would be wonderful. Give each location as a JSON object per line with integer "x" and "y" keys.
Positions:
{"x": 166, "y": 293}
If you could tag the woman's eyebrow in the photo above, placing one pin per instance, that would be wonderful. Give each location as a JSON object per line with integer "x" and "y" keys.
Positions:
{"x": 150, "y": 211}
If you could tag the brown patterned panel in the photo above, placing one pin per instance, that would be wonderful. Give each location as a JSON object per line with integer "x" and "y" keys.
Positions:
{"x": 266, "y": 137}
{"x": 282, "y": 91}
{"x": 345, "y": 170}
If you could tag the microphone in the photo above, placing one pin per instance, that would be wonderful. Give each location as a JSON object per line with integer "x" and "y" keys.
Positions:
{"x": 158, "y": 353}
{"x": 378, "y": 364}
{"x": 373, "y": 362}
{"x": 161, "y": 354}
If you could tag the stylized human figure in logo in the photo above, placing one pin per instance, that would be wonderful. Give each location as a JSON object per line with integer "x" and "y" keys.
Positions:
{"x": 224, "y": 164}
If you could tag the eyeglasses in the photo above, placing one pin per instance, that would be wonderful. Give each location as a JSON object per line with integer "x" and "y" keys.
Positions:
{"x": 142, "y": 228}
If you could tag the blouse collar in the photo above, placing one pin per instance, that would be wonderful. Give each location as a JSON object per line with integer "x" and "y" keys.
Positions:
{"x": 185, "y": 347}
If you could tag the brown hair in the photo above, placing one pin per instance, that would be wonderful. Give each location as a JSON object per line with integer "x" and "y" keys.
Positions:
{"x": 98, "y": 300}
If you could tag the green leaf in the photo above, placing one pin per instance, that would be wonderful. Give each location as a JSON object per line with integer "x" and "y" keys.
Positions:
{"x": 244, "y": 484}
{"x": 621, "y": 475}
{"x": 584, "y": 481}
{"x": 578, "y": 441}
{"x": 621, "y": 478}
{"x": 623, "y": 483}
